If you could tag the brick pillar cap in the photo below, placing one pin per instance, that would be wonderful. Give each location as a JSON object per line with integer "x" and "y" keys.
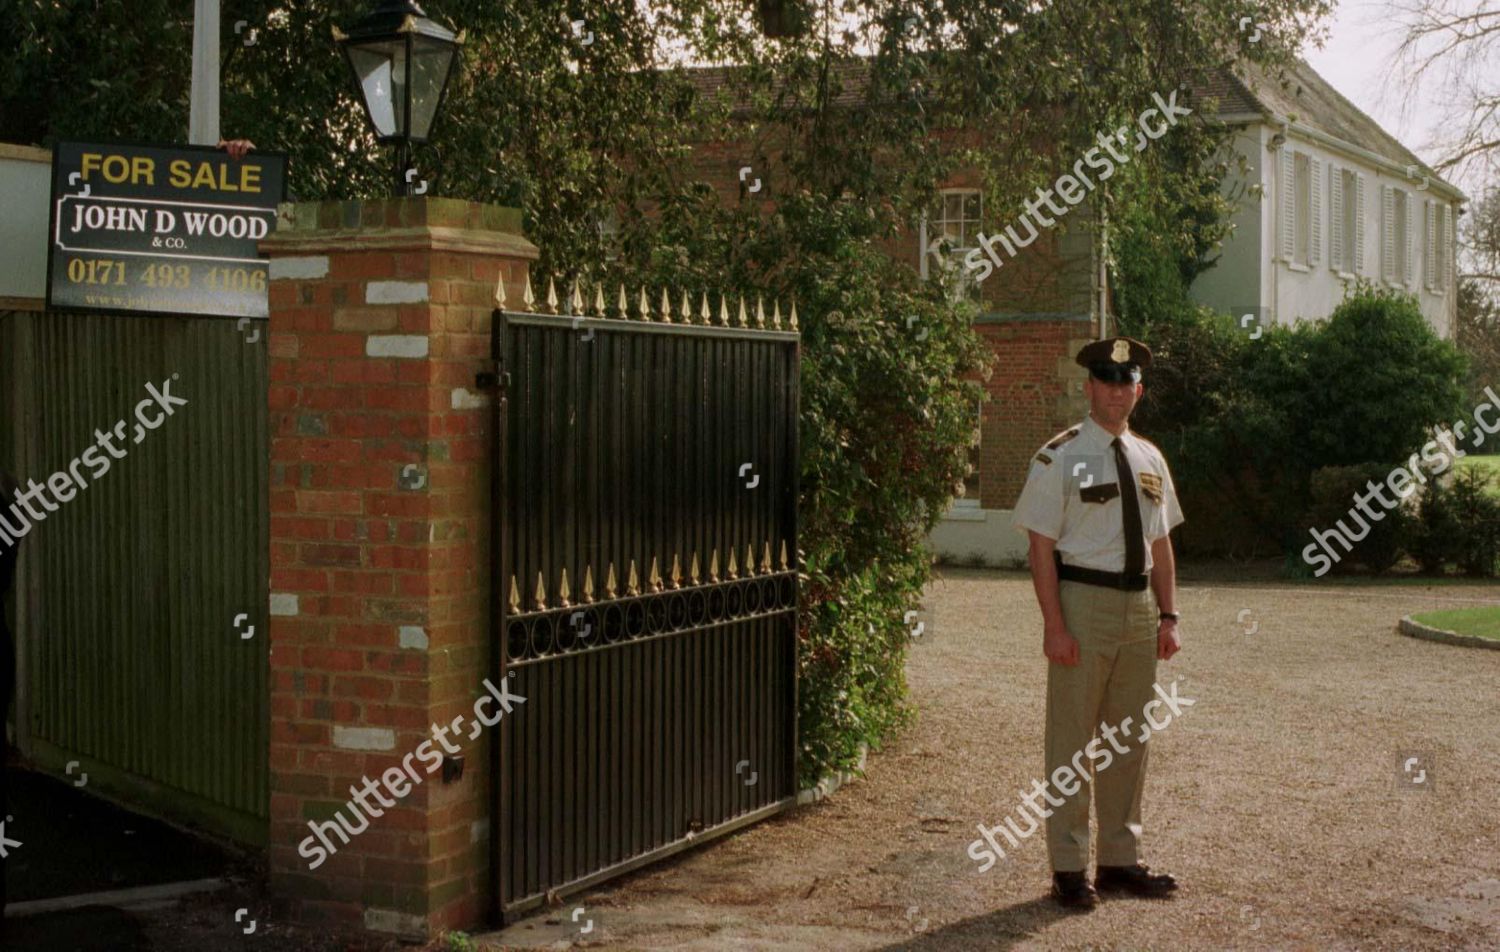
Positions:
{"x": 395, "y": 224}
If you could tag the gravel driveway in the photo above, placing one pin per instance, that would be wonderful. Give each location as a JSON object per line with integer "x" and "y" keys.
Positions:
{"x": 1279, "y": 798}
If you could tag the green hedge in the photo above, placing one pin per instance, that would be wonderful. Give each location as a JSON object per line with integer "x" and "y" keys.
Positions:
{"x": 1332, "y": 493}
{"x": 1250, "y": 420}
{"x": 1458, "y": 524}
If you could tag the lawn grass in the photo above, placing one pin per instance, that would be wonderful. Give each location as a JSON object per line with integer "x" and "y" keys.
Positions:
{"x": 1484, "y": 622}
{"x": 1488, "y": 464}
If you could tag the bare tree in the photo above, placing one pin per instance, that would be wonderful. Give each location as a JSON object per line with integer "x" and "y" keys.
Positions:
{"x": 1480, "y": 237}
{"x": 1456, "y": 44}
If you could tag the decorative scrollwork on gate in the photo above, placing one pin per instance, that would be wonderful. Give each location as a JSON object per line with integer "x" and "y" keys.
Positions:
{"x": 666, "y": 606}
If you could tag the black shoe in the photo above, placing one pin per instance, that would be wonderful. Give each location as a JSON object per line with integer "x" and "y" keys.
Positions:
{"x": 1136, "y": 880}
{"x": 1072, "y": 890}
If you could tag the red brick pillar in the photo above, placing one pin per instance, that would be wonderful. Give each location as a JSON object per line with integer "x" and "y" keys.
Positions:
{"x": 380, "y": 466}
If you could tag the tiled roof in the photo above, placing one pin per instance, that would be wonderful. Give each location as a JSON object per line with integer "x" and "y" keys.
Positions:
{"x": 713, "y": 81}
{"x": 1301, "y": 95}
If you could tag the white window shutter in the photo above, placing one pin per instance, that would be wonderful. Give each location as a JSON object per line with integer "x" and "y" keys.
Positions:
{"x": 1335, "y": 217}
{"x": 1315, "y": 200}
{"x": 1449, "y": 266}
{"x": 1410, "y": 230}
{"x": 1359, "y": 222}
{"x": 1387, "y": 233}
{"x": 1288, "y": 204}
{"x": 1429, "y": 245}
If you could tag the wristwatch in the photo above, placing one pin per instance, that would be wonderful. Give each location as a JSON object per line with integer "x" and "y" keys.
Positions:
{"x": 1165, "y": 615}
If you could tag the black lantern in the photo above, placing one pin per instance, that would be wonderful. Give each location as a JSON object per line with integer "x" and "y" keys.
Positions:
{"x": 402, "y": 62}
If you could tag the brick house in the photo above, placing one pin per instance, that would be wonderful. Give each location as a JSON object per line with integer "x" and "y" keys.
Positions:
{"x": 1035, "y": 313}
{"x": 1053, "y": 296}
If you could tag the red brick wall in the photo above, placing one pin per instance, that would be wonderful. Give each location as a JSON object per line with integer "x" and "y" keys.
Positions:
{"x": 1037, "y": 312}
{"x": 380, "y": 467}
{"x": 1035, "y": 391}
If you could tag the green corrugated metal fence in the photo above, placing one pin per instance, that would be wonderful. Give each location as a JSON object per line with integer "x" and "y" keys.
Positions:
{"x": 130, "y": 659}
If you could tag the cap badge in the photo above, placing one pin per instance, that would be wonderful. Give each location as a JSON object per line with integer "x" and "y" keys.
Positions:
{"x": 1121, "y": 352}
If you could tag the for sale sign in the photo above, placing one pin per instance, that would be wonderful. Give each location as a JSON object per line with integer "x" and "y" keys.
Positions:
{"x": 161, "y": 230}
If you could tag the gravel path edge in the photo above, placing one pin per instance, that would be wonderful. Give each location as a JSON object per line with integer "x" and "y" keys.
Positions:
{"x": 1416, "y": 629}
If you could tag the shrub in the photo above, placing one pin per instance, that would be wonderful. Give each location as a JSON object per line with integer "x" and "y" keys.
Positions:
{"x": 1477, "y": 541}
{"x": 1430, "y": 536}
{"x": 1457, "y": 524}
{"x": 1332, "y": 490}
{"x": 1378, "y": 377}
{"x": 1249, "y": 421}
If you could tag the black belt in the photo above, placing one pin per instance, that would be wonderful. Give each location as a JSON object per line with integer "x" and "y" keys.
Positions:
{"x": 1116, "y": 580}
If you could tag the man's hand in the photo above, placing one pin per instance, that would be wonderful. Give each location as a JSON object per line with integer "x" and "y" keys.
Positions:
{"x": 1060, "y": 647}
{"x": 237, "y": 148}
{"x": 1167, "y": 642}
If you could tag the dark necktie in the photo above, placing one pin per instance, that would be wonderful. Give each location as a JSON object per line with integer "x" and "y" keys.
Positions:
{"x": 1135, "y": 540}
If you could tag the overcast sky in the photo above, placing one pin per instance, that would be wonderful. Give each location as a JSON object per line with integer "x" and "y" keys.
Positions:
{"x": 1358, "y": 59}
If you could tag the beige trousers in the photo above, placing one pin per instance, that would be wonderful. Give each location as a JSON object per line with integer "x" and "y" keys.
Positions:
{"x": 1112, "y": 681}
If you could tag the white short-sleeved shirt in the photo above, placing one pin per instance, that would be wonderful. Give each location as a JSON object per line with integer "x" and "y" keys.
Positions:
{"x": 1072, "y": 494}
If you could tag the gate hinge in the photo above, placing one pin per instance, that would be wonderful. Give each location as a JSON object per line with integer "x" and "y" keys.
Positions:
{"x": 492, "y": 379}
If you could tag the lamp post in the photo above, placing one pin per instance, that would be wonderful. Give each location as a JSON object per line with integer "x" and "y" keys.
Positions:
{"x": 402, "y": 63}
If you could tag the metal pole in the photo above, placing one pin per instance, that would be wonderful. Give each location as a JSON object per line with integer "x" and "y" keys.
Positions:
{"x": 203, "y": 115}
{"x": 404, "y": 186}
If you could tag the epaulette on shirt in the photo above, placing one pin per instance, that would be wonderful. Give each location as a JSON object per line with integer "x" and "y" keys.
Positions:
{"x": 1145, "y": 441}
{"x": 1063, "y": 437}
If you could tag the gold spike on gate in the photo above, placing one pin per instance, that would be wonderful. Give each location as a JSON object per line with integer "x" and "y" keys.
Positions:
{"x": 676, "y": 579}
{"x": 515, "y": 597}
{"x": 666, "y": 307}
{"x": 587, "y": 596}
{"x": 794, "y": 314}
{"x": 632, "y": 584}
{"x": 575, "y": 300}
{"x": 693, "y": 570}
{"x": 599, "y": 299}
{"x": 686, "y": 308}
{"x": 645, "y": 306}
{"x": 703, "y": 311}
{"x": 610, "y": 589}
{"x": 744, "y": 321}
{"x": 749, "y": 560}
{"x": 732, "y": 571}
{"x": 624, "y": 304}
{"x": 760, "y": 312}
{"x": 765, "y": 560}
{"x": 723, "y": 310}
{"x": 540, "y": 598}
{"x": 713, "y": 565}
{"x": 563, "y": 593}
{"x": 500, "y": 291}
{"x": 776, "y": 315}
{"x": 528, "y": 297}
{"x": 784, "y": 565}
{"x": 654, "y": 579}
{"x": 552, "y": 295}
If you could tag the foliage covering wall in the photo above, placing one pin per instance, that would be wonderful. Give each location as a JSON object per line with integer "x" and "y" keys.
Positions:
{"x": 566, "y": 130}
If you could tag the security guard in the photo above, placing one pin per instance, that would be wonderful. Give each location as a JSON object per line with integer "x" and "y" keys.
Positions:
{"x": 1099, "y": 507}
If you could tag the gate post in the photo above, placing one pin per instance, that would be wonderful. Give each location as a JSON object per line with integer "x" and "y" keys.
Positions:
{"x": 379, "y": 531}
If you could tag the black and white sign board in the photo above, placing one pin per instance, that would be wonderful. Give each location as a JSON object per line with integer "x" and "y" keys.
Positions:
{"x": 161, "y": 230}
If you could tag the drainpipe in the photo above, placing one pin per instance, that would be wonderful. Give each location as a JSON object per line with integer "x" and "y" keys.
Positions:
{"x": 1103, "y": 272}
{"x": 1276, "y": 210}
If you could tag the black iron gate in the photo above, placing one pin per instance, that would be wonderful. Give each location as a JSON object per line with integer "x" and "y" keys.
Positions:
{"x": 645, "y": 566}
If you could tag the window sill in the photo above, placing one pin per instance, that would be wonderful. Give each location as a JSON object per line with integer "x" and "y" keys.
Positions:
{"x": 1298, "y": 266}
{"x": 965, "y": 510}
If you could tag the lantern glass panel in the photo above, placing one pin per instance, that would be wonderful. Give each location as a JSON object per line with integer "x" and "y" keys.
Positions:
{"x": 381, "y": 68}
{"x": 430, "y": 65}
